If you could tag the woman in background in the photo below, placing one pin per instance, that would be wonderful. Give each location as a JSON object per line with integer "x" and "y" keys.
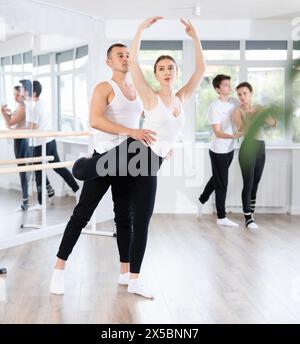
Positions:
{"x": 252, "y": 161}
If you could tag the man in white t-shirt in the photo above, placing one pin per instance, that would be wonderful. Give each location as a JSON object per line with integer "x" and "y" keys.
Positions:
{"x": 221, "y": 147}
{"x": 26, "y": 92}
{"x": 39, "y": 118}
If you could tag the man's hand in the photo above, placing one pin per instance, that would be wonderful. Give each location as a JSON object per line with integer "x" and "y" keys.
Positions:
{"x": 5, "y": 110}
{"x": 143, "y": 135}
{"x": 238, "y": 134}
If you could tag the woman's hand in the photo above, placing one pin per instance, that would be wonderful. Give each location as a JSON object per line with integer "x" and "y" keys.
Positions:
{"x": 149, "y": 21}
{"x": 189, "y": 28}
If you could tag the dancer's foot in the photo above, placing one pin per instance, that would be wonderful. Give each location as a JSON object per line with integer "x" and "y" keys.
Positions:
{"x": 35, "y": 207}
{"x": 23, "y": 207}
{"x": 135, "y": 287}
{"x": 252, "y": 225}
{"x": 124, "y": 278}
{"x": 78, "y": 168}
{"x": 57, "y": 284}
{"x": 199, "y": 209}
{"x": 226, "y": 222}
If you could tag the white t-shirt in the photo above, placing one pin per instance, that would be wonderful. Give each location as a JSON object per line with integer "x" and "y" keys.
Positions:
{"x": 220, "y": 112}
{"x": 37, "y": 113}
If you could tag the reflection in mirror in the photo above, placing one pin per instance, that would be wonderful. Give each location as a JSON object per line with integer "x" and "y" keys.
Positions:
{"x": 16, "y": 65}
{"x": 43, "y": 86}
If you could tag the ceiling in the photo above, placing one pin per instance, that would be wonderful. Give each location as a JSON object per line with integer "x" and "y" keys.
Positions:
{"x": 12, "y": 31}
{"x": 210, "y": 9}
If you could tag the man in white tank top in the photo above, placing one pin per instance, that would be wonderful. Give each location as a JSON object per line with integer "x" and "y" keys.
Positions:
{"x": 114, "y": 113}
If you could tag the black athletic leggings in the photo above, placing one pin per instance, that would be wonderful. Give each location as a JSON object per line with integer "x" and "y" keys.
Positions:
{"x": 133, "y": 197}
{"x": 252, "y": 161}
{"x": 51, "y": 149}
{"x": 220, "y": 164}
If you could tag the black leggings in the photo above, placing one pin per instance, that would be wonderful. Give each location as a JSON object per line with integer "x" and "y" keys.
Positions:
{"x": 252, "y": 161}
{"x": 220, "y": 164}
{"x": 51, "y": 149}
{"x": 133, "y": 197}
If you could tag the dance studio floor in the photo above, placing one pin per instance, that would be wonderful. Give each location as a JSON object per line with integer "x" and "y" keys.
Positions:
{"x": 199, "y": 273}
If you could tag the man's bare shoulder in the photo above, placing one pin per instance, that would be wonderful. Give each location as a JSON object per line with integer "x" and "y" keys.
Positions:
{"x": 103, "y": 87}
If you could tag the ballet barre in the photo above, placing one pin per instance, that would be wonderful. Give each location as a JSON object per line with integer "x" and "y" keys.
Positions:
{"x": 25, "y": 133}
{"x": 45, "y": 165}
{"x": 38, "y": 167}
{"x": 26, "y": 160}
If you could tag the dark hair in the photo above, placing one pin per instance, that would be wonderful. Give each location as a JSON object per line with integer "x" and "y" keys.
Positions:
{"x": 163, "y": 57}
{"x": 27, "y": 84}
{"x": 17, "y": 88}
{"x": 37, "y": 88}
{"x": 116, "y": 45}
{"x": 218, "y": 79}
{"x": 245, "y": 84}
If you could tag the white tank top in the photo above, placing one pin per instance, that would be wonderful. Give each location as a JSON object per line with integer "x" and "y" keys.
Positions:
{"x": 120, "y": 111}
{"x": 165, "y": 124}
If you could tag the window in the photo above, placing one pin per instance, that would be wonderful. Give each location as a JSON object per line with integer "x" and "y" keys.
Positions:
{"x": 268, "y": 87}
{"x": 296, "y": 114}
{"x": 296, "y": 50}
{"x": 206, "y": 94}
{"x": 81, "y": 101}
{"x": 221, "y": 50}
{"x": 66, "y": 112}
{"x": 266, "y": 50}
{"x": 72, "y": 89}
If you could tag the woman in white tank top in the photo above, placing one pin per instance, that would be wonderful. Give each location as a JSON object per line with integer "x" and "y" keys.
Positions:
{"x": 163, "y": 109}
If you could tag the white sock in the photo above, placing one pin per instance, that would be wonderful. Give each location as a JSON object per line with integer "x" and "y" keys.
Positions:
{"x": 135, "y": 287}
{"x": 226, "y": 222}
{"x": 124, "y": 278}
{"x": 57, "y": 284}
{"x": 35, "y": 207}
{"x": 252, "y": 225}
{"x": 199, "y": 209}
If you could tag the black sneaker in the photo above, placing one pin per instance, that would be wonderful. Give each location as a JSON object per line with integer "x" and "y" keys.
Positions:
{"x": 50, "y": 191}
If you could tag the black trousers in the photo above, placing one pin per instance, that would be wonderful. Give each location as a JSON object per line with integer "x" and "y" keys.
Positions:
{"x": 252, "y": 161}
{"x": 51, "y": 149}
{"x": 21, "y": 149}
{"x": 133, "y": 197}
{"x": 219, "y": 181}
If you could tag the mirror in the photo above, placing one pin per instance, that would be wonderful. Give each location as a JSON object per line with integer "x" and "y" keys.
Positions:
{"x": 60, "y": 65}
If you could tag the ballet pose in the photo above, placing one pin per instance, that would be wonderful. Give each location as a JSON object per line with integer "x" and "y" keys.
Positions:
{"x": 164, "y": 114}
{"x": 115, "y": 113}
{"x": 252, "y": 161}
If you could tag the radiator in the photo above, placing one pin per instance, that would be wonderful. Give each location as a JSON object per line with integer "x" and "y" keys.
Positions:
{"x": 272, "y": 190}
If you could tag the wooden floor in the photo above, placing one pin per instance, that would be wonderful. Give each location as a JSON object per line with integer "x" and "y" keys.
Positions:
{"x": 200, "y": 273}
{"x": 11, "y": 220}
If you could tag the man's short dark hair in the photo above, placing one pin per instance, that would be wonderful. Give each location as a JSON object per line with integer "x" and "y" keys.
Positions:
{"x": 27, "y": 84}
{"x": 17, "y": 88}
{"x": 116, "y": 45}
{"x": 37, "y": 88}
{"x": 218, "y": 79}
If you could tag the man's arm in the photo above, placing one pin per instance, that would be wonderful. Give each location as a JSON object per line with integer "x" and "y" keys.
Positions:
{"x": 221, "y": 135}
{"x": 17, "y": 118}
{"x": 98, "y": 120}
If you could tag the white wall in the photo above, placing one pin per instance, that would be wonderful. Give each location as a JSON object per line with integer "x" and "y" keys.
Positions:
{"x": 208, "y": 29}
{"x": 16, "y": 45}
